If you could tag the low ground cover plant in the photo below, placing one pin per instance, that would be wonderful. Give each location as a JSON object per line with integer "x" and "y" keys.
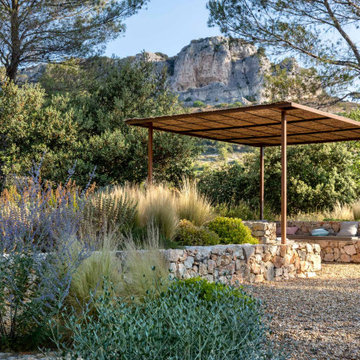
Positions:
{"x": 192, "y": 319}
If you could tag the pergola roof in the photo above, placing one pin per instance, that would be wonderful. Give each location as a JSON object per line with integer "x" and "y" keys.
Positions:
{"x": 259, "y": 125}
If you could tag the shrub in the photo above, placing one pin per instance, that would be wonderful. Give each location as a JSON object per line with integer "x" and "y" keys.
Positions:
{"x": 188, "y": 234}
{"x": 214, "y": 291}
{"x": 231, "y": 231}
{"x": 198, "y": 103}
{"x": 191, "y": 320}
{"x": 193, "y": 206}
{"x": 320, "y": 176}
{"x": 244, "y": 211}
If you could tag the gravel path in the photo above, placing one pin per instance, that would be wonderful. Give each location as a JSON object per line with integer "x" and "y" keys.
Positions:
{"x": 319, "y": 318}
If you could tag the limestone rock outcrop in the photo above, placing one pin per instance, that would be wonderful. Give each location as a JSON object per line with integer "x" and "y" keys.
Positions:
{"x": 216, "y": 70}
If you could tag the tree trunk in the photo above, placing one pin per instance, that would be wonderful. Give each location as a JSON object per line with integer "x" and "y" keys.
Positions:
{"x": 11, "y": 70}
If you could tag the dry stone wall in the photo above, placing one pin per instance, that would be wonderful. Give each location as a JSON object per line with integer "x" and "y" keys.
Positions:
{"x": 264, "y": 231}
{"x": 342, "y": 251}
{"x": 245, "y": 263}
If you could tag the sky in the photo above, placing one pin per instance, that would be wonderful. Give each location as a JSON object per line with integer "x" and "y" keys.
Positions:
{"x": 163, "y": 26}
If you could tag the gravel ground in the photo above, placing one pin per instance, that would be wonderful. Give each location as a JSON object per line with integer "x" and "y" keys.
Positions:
{"x": 316, "y": 319}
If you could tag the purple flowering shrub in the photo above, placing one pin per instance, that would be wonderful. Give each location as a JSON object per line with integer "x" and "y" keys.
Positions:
{"x": 36, "y": 258}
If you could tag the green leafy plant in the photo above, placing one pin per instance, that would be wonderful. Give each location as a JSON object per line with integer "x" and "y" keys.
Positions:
{"x": 231, "y": 231}
{"x": 198, "y": 103}
{"x": 320, "y": 175}
{"x": 214, "y": 291}
{"x": 190, "y": 320}
{"x": 188, "y": 234}
{"x": 244, "y": 211}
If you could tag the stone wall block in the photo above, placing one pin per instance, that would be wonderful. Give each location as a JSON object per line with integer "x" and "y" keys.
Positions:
{"x": 211, "y": 266}
{"x": 174, "y": 255}
{"x": 203, "y": 269}
{"x": 189, "y": 262}
{"x": 350, "y": 249}
{"x": 248, "y": 251}
{"x": 278, "y": 261}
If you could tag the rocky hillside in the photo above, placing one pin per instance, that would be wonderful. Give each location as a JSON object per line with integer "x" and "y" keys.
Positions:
{"x": 219, "y": 70}
{"x": 216, "y": 70}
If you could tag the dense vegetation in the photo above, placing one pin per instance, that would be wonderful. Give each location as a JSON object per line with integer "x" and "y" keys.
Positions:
{"x": 319, "y": 177}
{"x": 87, "y": 127}
{"x": 51, "y": 275}
{"x": 191, "y": 318}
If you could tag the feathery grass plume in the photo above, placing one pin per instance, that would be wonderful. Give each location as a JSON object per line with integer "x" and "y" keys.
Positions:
{"x": 157, "y": 207}
{"x": 109, "y": 210}
{"x": 193, "y": 206}
{"x": 89, "y": 276}
{"x": 340, "y": 212}
{"x": 303, "y": 216}
{"x": 356, "y": 210}
{"x": 146, "y": 271}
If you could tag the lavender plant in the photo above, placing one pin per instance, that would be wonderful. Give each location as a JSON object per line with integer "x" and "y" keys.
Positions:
{"x": 35, "y": 268}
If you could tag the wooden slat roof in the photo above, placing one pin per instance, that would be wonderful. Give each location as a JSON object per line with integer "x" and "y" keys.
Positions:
{"x": 259, "y": 125}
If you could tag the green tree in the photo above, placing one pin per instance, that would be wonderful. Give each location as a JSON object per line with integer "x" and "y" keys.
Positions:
{"x": 48, "y": 30}
{"x": 119, "y": 151}
{"x": 76, "y": 75}
{"x": 88, "y": 127}
{"x": 288, "y": 81}
{"x": 319, "y": 175}
{"x": 29, "y": 129}
{"x": 323, "y": 32}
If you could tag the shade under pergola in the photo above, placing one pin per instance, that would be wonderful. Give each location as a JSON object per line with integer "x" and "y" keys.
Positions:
{"x": 283, "y": 123}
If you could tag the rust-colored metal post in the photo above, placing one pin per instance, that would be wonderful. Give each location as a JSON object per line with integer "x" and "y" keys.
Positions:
{"x": 150, "y": 154}
{"x": 283, "y": 177}
{"x": 262, "y": 165}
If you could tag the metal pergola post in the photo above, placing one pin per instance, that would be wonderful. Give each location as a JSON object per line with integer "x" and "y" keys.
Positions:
{"x": 150, "y": 154}
{"x": 261, "y": 182}
{"x": 283, "y": 176}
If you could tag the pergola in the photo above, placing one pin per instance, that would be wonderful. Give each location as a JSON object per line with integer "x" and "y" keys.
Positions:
{"x": 278, "y": 124}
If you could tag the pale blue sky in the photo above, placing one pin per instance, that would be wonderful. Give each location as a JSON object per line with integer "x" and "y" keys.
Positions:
{"x": 165, "y": 26}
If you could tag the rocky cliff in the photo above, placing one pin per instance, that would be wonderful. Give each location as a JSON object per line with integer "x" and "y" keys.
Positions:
{"x": 219, "y": 70}
{"x": 216, "y": 70}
